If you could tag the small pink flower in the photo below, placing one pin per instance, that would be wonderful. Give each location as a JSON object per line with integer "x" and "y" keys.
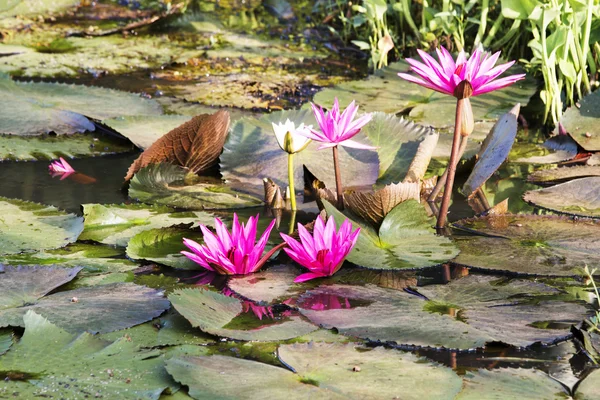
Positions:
{"x": 337, "y": 129}
{"x": 60, "y": 168}
{"x": 324, "y": 251}
{"x": 234, "y": 253}
{"x": 445, "y": 76}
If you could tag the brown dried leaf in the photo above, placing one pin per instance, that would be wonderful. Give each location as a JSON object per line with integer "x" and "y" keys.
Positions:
{"x": 374, "y": 206}
{"x": 195, "y": 145}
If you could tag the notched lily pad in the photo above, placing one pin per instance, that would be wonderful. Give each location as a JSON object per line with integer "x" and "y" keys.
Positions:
{"x": 51, "y": 362}
{"x": 579, "y": 197}
{"x": 216, "y": 313}
{"x": 165, "y": 184}
{"x": 530, "y": 245}
{"x": 557, "y": 175}
{"x": 26, "y": 226}
{"x": 104, "y": 308}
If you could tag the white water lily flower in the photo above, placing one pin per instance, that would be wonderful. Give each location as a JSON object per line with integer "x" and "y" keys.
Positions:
{"x": 289, "y": 138}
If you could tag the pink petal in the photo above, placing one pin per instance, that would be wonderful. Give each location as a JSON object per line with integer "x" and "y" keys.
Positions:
{"x": 498, "y": 84}
{"x": 356, "y": 145}
{"x": 198, "y": 260}
{"x": 308, "y": 276}
{"x": 326, "y": 146}
{"x": 423, "y": 83}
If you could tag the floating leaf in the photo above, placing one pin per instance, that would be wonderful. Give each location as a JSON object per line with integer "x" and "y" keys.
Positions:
{"x": 386, "y": 91}
{"x": 535, "y": 245}
{"x": 195, "y": 145}
{"x": 374, "y": 206}
{"x": 144, "y": 130}
{"x": 582, "y": 122}
{"x": 93, "y": 258}
{"x": 165, "y": 184}
{"x": 104, "y": 308}
{"x": 62, "y": 108}
{"x": 577, "y": 197}
{"x": 494, "y": 151}
{"x": 28, "y": 226}
{"x": 511, "y": 383}
{"x": 6, "y": 340}
{"x": 562, "y": 148}
{"x": 116, "y": 224}
{"x": 252, "y": 153}
{"x": 556, "y": 175}
{"x": 11, "y": 8}
{"x": 589, "y": 388}
{"x": 20, "y": 286}
{"x": 405, "y": 240}
{"x": 465, "y": 314}
{"x": 163, "y": 246}
{"x": 213, "y": 312}
{"x": 55, "y": 363}
{"x": 267, "y": 286}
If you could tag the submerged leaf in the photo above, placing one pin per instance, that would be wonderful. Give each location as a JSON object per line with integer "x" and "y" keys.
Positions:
{"x": 195, "y": 145}
{"x": 527, "y": 244}
{"x": 562, "y": 148}
{"x": 577, "y": 197}
{"x": 165, "y": 184}
{"x": 26, "y": 226}
{"x": 405, "y": 239}
{"x": 213, "y": 312}
{"x": 50, "y": 362}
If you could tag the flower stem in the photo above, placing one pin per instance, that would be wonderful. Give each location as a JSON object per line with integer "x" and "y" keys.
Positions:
{"x": 291, "y": 181}
{"x": 338, "y": 179}
{"x": 292, "y": 223}
{"x": 441, "y": 222}
{"x": 266, "y": 257}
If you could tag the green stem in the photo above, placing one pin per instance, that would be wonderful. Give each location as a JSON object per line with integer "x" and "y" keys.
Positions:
{"x": 492, "y": 33}
{"x": 585, "y": 44}
{"x": 482, "y": 22}
{"x": 409, "y": 20}
{"x": 291, "y": 181}
{"x": 292, "y": 223}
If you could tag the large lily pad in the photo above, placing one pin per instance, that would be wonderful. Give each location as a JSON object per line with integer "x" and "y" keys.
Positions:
{"x": 30, "y": 226}
{"x": 251, "y": 153}
{"x": 589, "y": 388}
{"x": 464, "y": 314}
{"x": 62, "y": 109}
{"x": 213, "y": 312}
{"x": 405, "y": 239}
{"x": 531, "y": 245}
{"x": 116, "y": 224}
{"x": 21, "y": 286}
{"x": 164, "y": 184}
{"x": 511, "y": 383}
{"x": 582, "y": 122}
{"x": 386, "y": 91}
{"x": 103, "y": 308}
{"x": 557, "y": 175}
{"x": 267, "y": 286}
{"x": 6, "y": 340}
{"x": 146, "y": 129}
{"x": 92, "y": 257}
{"x": 163, "y": 245}
{"x": 577, "y": 197}
{"x": 57, "y": 364}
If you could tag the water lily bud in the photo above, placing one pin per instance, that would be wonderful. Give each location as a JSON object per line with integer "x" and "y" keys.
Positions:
{"x": 289, "y": 137}
{"x": 466, "y": 117}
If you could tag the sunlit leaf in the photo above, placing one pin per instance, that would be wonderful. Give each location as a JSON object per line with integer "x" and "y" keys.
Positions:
{"x": 557, "y": 175}
{"x": 582, "y": 122}
{"x": 577, "y": 197}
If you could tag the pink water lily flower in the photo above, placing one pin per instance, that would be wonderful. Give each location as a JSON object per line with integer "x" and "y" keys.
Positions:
{"x": 60, "y": 168}
{"x": 234, "y": 253}
{"x": 324, "y": 251}
{"x": 445, "y": 75}
{"x": 337, "y": 129}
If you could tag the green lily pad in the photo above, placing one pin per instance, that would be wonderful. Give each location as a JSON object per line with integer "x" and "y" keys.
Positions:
{"x": 169, "y": 330}
{"x": 406, "y": 239}
{"x": 386, "y": 91}
{"x": 117, "y": 224}
{"x": 58, "y": 364}
{"x": 577, "y": 197}
{"x": 511, "y": 383}
{"x": 397, "y": 141}
{"x": 163, "y": 246}
{"x": 92, "y": 257}
{"x": 557, "y": 175}
{"x": 6, "y": 340}
{"x": 26, "y": 226}
{"x": 47, "y": 147}
{"x": 589, "y": 388}
{"x": 11, "y": 8}
{"x": 62, "y": 108}
{"x": 213, "y": 313}
{"x": 143, "y": 130}
{"x": 103, "y": 308}
{"x": 20, "y": 286}
{"x": 267, "y": 286}
{"x": 164, "y": 184}
{"x": 530, "y": 245}
{"x": 582, "y": 122}
{"x": 251, "y": 153}
{"x": 465, "y": 314}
